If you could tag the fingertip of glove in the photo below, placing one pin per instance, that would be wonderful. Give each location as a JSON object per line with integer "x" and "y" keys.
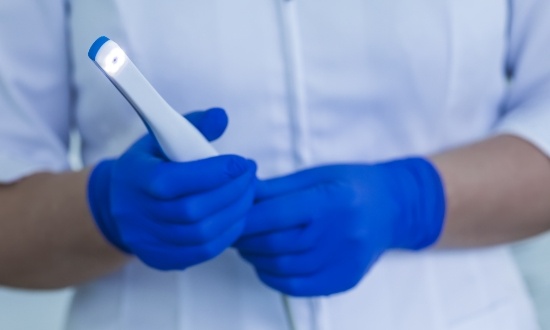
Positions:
{"x": 253, "y": 167}
{"x": 237, "y": 166}
{"x": 218, "y": 112}
{"x": 211, "y": 123}
{"x": 217, "y": 120}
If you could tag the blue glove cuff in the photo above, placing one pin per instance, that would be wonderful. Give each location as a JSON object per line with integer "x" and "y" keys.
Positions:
{"x": 99, "y": 203}
{"x": 420, "y": 188}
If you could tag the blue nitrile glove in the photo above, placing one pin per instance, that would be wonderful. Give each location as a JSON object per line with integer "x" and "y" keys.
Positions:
{"x": 318, "y": 232}
{"x": 173, "y": 215}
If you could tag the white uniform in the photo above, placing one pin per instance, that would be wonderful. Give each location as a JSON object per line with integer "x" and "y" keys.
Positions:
{"x": 305, "y": 82}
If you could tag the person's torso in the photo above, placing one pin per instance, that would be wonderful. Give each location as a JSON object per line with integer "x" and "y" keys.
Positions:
{"x": 305, "y": 82}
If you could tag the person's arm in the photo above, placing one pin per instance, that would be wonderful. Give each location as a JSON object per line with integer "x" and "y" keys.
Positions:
{"x": 35, "y": 121}
{"x": 498, "y": 188}
{"x": 170, "y": 215}
{"x": 498, "y": 191}
{"x": 495, "y": 191}
{"x": 47, "y": 236}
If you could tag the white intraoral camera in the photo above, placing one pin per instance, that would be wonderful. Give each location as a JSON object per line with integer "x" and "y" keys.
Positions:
{"x": 178, "y": 138}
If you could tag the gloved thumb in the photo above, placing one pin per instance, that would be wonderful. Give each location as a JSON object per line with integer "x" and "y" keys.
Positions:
{"x": 211, "y": 123}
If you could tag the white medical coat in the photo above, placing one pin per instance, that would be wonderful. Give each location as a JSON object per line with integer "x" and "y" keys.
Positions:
{"x": 305, "y": 82}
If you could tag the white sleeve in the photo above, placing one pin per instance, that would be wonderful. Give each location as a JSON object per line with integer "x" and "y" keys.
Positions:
{"x": 526, "y": 112}
{"x": 35, "y": 94}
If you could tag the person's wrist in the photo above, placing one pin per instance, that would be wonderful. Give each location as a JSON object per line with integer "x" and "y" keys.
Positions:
{"x": 421, "y": 196}
{"x": 99, "y": 202}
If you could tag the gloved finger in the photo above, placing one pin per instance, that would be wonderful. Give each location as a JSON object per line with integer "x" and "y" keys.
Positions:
{"x": 296, "y": 209}
{"x": 319, "y": 284}
{"x": 146, "y": 149}
{"x": 211, "y": 123}
{"x": 290, "y": 183}
{"x": 178, "y": 258}
{"x": 196, "y": 207}
{"x": 294, "y": 264}
{"x": 173, "y": 180}
{"x": 296, "y": 240}
{"x": 202, "y": 232}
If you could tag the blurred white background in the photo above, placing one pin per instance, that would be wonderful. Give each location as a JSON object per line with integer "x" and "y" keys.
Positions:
{"x": 533, "y": 258}
{"x": 28, "y": 310}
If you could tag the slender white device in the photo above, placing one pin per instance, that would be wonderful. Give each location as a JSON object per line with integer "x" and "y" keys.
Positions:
{"x": 178, "y": 138}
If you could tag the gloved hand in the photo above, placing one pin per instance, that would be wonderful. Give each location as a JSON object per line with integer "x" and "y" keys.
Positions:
{"x": 173, "y": 215}
{"x": 318, "y": 232}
